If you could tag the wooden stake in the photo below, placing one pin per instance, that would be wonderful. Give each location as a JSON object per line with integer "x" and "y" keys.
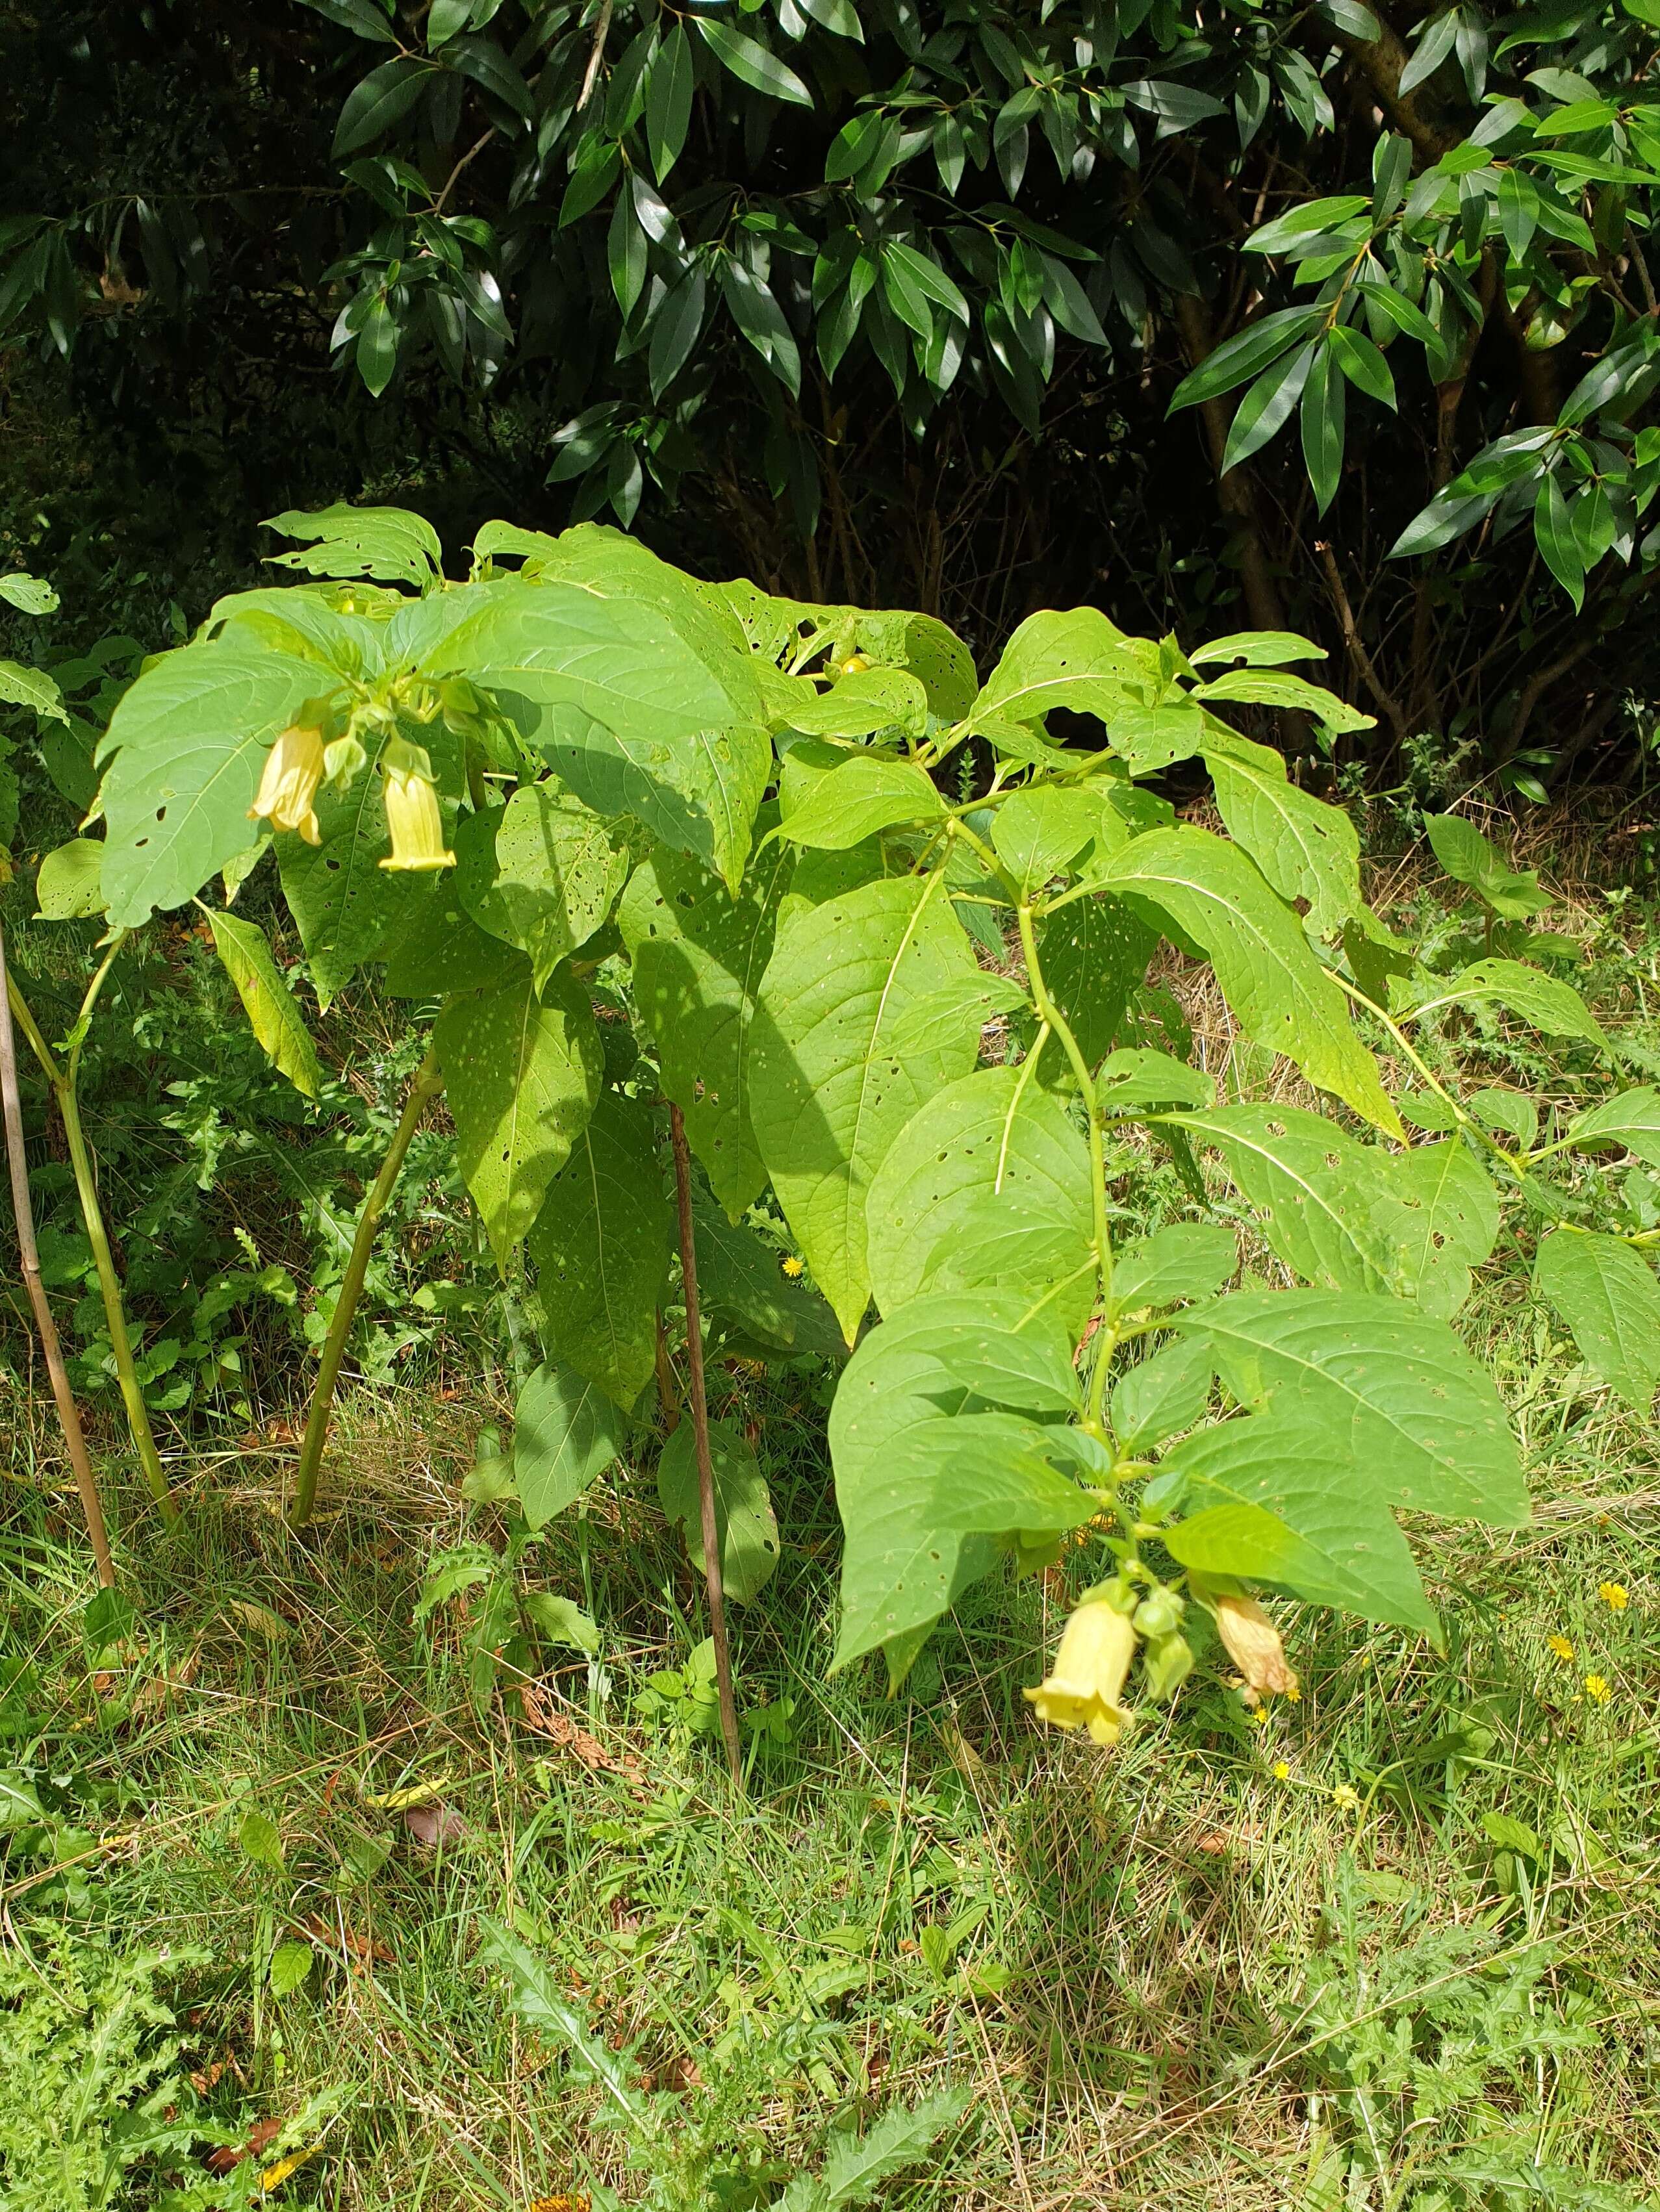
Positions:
{"x": 85, "y": 1482}
{"x": 699, "y": 1428}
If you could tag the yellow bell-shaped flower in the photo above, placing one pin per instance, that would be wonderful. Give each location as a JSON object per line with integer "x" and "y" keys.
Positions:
{"x": 294, "y": 769}
{"x": 1087, "y": 1681}
{"x": 414, "y": 822}
{"x": 1254, "y": 1645}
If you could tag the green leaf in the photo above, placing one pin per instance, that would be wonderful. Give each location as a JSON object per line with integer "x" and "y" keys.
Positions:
{"x": 522, "y": 1073}
{"x": 188, "y": 741}
{"x": 1631, "y": 1119}
{"x": 1273, "y": 687}
{"x": 905, "y": 1485}
{"x": 291, "y": 1963}
{"x": 560, "y": 1620}
{"x": 69, "y": 886}
{"x": 1362, "y": 364}
{"x": 1452, "y": 1222}
{"x": 857, "y": 2165}
{"x": 1148, "y": 739}
{"x": 1408, "y": 1397}
{"x": 1468, "y": 857}
{"x": 1039, "y": 830}
{"x": 1267, "y": 407}
{"x": 1321, "y": 414}
{"x": 379, "y": 100}
{"x": 1280, "y": 1499}
{"x": 387, "y": 542}
{"x": 1256, "y": 648}
{"x": 668, "y": 100}
{"x": 600, "y": 1246}
{"x": 272, "y": 1013}
{"x": 1189, "y": 1260}
{"x": 1606, "y": 1294}
{"x": 1559, "y": 548}
{"x": 1305, "y": 848}
{"x": 1094, "y": 953}
{"x": 991, "y": 1137}
{"x": 761, "y": 320}
{"x": 751, "y": 63}
{"x": 828, "y": 1094}
{"x": 699, "y": 956}
{"x": 865, "y": 794}
{"x": 259, "y": 1838}
{"x": 1166, "y": 1393}
{"x": 1282, "y": 998}
{"x": 1246, "y": 356}
{"x": 566, "y": 1433}
{"x": 442, "y": 950}
{"x": 1135, "y": 1077}
{"x": 742, "y": 1507}
{"x": 869, "y": 700}
{"x": 32, "y": 595}
{"x": 1076, "y": 660}
{"x": 540, "y": 873}
{"x": 1544, "y": 1002}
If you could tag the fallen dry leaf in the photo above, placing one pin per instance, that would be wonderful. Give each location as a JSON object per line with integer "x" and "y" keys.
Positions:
{"x": 261, "y": 2135}
{"x": 544, "y": 1717}
{"x": 363, "y": 1947}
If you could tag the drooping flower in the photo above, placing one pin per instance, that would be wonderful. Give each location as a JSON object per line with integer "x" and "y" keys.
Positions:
{"x": 1253, "y": 1644}
{"x": 293, "y": 770}
{"x": 414, "y": 822}
{"x": 1086, "y": 1682}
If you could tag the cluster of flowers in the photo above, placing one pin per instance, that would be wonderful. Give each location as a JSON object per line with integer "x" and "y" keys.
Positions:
{"x": 1085, "y": 1687}
{"x": 299, "y": 761}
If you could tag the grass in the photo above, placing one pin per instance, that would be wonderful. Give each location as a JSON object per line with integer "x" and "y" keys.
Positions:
{"x": 1393, "y": 1944}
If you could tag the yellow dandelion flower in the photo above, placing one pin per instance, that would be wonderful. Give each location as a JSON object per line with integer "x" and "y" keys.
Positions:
{"x": 1614, "y": 1595}
{"x": 1346, "y": 1797}
{"x": 1294, "y": 1692}
{"x": 1559, "y": 1646}
{"x": 1597, "y": 1689}
{"x": 1257, "y": 1716}
{"x": 1281, "y": 1770}
{"x": 792, "y": 1267}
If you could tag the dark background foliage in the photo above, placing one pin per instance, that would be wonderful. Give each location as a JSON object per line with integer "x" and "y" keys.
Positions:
{"x": 877, "y": 301}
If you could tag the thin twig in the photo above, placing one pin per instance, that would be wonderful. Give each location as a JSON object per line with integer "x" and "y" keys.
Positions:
{"x": 700, "y": 1428}
{"x": 595, "y": 57}
{"x": 85, "y": 1482}
{"x": 1357, "y": 651}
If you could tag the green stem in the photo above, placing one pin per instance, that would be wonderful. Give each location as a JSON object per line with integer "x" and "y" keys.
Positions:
{"x": 1465, "y": 1119}
{"x": 1053, "y": 1019}
{"x": 429, "y": 1082}
{"x": 63, "y": 1081}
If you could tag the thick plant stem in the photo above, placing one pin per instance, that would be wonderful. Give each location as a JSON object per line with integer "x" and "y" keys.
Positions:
{"x": 68, "y": 1413}
{"x": 429, "y": 1082}
{"x": 64, "y": 1089}
{"x": 700, "y": 1428}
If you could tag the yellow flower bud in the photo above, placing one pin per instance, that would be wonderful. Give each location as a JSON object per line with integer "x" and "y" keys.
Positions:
{"x": 1253, "y": 1644}
{"x": 294, "y": 769}
{"x": 416, "y": 826}
{"x": 1097, "y": 1646}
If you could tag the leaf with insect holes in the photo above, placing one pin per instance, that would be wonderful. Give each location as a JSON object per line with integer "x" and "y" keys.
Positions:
{"x": 69, "y": 884}
{"x": 540, "y": 873}
{"x": 522, "y": 1073}
{"x": 385, "y": 542}
{"x": 1306, "y": 849}
{"x": 992, "y": 1163}
{"x": 829, "y": 1091}
{"x": 1631, "y": 1119}
{"x": 1607, "y": 1295}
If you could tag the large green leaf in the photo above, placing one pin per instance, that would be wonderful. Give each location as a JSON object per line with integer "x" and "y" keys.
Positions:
{"x": 1403, "y": 1393}
{"x": 1281, "y": 996}
{"x": 1305, "y": 848}
{"x": 743, "y": 1507}
{"x": 387, "y": 541}
{"x": 699, "y": 793}
{"x": 186, "y": 746}
{"x": 1450, "y": 1224}
{"x": 442, "y": 949}
{"x": 1094, "y": 953}
{"x": 828, "y": 1090}
{"x": 993, "y": 1143}
{"x": 1631, "y": 1119}
{"x": 866, "y": 793}
{"x": 541, "y": 873}
{"x": 522, "y": 1075}
{"x": 32, "y": 688}
{"x": 272, "y": 1014}
{"x": 908, "y": 1554}
{"x": 1606, "y": 1294}
{"x": 1077, "y": 658}
{"x": 566, "y": 1433}
{"x": 699, "y": 955}
{"x": 69, "y": 884}
{"x": 1278, "y": 1499}
{"x": 301, "y": 620}
{"x": 1469, "y": 858}
{"x": 600, "y": 1245}
{"x": 1544, "y": 1002}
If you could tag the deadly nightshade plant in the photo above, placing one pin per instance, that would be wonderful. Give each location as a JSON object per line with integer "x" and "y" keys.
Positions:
{"x": 706, "y": 860}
